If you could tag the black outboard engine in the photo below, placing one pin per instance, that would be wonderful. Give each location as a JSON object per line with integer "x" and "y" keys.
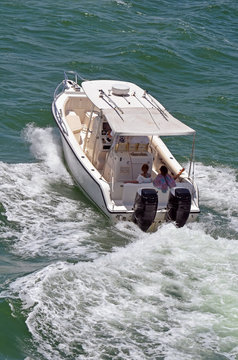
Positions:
{"x": 179, "y": 205}
{"x": 145, "y": 207}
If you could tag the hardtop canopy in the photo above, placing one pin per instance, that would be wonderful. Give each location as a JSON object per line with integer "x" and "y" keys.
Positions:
{"x": 131, "y": 111}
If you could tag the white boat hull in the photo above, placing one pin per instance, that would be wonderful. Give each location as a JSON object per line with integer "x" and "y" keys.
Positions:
{"x": 93, "y": 190}
{"x": 103, "y": 183}
{"x": 83, "y": 178}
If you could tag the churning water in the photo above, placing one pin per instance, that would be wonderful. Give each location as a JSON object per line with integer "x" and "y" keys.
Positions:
{"x": 73, "y": 286}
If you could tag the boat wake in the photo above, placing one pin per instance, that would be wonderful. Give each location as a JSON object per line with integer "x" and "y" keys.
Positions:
{"x": 138, "y": 296}
{"x": 168, "y": 294}
{"x": 43, "y": 213}
{"x": 218, "y": 189}
{"x": 46, "y": 215}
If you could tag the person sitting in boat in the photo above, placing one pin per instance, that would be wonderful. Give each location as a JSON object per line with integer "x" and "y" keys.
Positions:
{"x": 164, "y": 181}
{"x": 109, "y": 135}
{"x": 144, "y": 177}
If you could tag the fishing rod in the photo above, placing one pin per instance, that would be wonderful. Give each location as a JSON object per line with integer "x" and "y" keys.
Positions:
{"x": 153, "y": 103}
{"x": 102, "y": 93}
{"x": 115, "y": 105}
{"x": 134, "y": 94}
{"x": 124, "y": 97}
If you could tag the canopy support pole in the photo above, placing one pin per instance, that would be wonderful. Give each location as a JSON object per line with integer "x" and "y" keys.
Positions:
{"x": 89, "y": 124}
{"x": 192, "y": 159}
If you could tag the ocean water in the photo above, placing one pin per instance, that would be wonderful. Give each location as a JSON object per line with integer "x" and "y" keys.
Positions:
{"x": 72, "y": 286}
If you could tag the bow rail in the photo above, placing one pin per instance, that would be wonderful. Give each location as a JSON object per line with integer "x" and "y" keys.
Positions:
{"x": 70, "y": 78}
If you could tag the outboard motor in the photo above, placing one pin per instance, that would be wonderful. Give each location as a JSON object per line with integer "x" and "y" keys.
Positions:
{"x": 179, "y": 205}
{"x": 145, "y": 207}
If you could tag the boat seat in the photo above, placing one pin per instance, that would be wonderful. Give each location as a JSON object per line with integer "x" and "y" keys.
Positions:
{"x": 130, "y": 190}
{"x": 75, "y": 125}
{"x": 74, "y": 122}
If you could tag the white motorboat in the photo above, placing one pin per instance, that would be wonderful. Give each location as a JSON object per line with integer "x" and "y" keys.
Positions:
{"x": 109, "y": 129}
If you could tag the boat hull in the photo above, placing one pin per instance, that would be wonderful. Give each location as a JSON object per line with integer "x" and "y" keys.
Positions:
{"x": 105, "y": 171}
{"x": 83, "y": 178}
{"x": 93, "y": 190}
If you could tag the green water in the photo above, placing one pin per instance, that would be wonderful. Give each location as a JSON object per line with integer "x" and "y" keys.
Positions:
{"x": 72, "y": 286}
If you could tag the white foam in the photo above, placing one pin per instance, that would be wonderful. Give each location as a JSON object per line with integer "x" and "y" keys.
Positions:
{"x": 49, "y": 223}
{"x": 45, "y": 145}
{"x": 169, "y": 294}
{"x": 218, "y": 187}
{"x": 43, "y": 221}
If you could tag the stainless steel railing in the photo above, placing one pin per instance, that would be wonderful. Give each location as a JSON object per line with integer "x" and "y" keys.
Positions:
{"x": 60, "y": 89}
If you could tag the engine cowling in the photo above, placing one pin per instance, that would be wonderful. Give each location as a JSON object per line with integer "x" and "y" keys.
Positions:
{"x": 145, "y": 207}
{"x": 179, "y": 205}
